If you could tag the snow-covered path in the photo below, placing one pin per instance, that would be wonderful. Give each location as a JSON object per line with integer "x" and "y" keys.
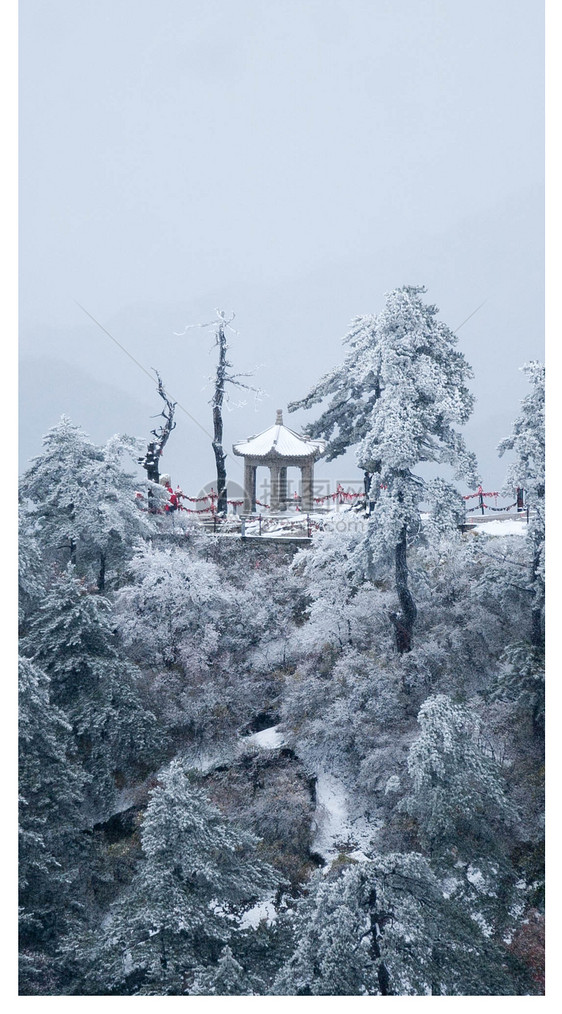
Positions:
{"x": 335, "y": 826}
{"x": 337, "y": 829}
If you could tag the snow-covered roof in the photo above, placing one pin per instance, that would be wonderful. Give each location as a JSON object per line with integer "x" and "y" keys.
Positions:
{"x": 279, "y": 440}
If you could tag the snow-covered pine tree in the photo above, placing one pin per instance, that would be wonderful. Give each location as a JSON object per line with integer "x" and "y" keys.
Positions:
{"x": 51, "y": 845}
{"x": 227, "y": 978}
{"x": 465, "y": 818}
{"x": 521, "y": 679}
{"x": 527, "y": 472}
{"x": 384, "y": 927}
{"x": 398, "y": 395}
{"x": 83, "y": 502}
{"x": 458, "y": 794}
{"x": 31, "y": 570}
{"x": 198, "y": 874}
{"x": 331, "y": 954}
{"x": 98, "y": 689}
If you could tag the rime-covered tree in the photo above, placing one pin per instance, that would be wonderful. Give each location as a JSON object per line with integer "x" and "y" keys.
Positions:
{"x": 458, "y": 794}
{"x": 398, "y": 396}
{"x": 331, "y": 948}
{"x": 31, "y": 569}
{"x": 82, "y": 501}
{"x": 527, "y": 471}
{"x": 466, "y": 820}
{"x": 190, "y": 629}
{"x": 197, "y": 875}
{"x": 227, "y": 978}
{"x": 51, "y": 845}
{"x": 340, "y": 610}
{"x": 384, "y": 927}
{"x": 72, "y": 638}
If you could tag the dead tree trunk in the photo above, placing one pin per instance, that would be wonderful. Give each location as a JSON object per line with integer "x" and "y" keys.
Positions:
{"x": 217, "y": 403}
{"x": 404, "y": 622}
{"x": 151, "y": 460}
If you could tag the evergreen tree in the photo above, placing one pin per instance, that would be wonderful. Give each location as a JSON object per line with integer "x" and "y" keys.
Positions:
{"x": 458, "y": 796}
{"x": 227, "y": 978}
{"x": 385, "y": 928}
{"x": 50, "y": 850}
{"x": 527, "y": 472}
{"x": 465, "y": 818}
{"x": 31, "y": 569}
{"x": 331, "y": 955}
{"x": 197, "y": 875}
{"x": 398, "y": 395}
{"x": 98, "y": 689}
{"x": 84, "y": 503}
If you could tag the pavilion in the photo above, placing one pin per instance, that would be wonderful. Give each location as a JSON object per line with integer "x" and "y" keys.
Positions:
{"x": 278, "y": 448}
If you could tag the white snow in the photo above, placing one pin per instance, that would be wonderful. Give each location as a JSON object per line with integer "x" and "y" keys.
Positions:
{"x": 508, "y": 527}
{"x": 263, "y": 910}
{"x": 267, "y": 739}
{"x": 476, "y": 878}
{"x": 335, "y": 825}
{"x": 331, "y": 811}
{"x": 282, "y": 440}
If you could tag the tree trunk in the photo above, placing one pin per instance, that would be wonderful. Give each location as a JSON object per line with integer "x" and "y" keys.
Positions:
{"x": 163, "y": 955}
{"x": 220, "y": 456}
{"x": 537, "y": 632}
{"x": 150, "y": 463}
{"x": 436, "y": 970}
{"x": 404, "y": 622}
{"x": 151, "y": 460}
{"x": 101, "y": 575}
{"x": 377, "y": 922}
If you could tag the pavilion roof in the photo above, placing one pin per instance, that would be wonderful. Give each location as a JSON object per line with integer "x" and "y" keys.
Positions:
{"x": 279, "y": 441}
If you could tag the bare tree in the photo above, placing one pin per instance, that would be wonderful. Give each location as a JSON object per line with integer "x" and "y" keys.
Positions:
{"x": 155, "y": 447}
{"x": 222, "y": 377}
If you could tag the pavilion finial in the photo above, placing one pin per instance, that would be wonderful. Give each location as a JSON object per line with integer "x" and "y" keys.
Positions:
{"x": 279, "y": 419}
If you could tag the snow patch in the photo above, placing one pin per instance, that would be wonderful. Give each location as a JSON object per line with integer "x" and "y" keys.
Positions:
{"x": 264, "y": 910}
{"x": 502, "y": 528}
{"x": 337, "y": 830}
{"x": 267, "y": 739}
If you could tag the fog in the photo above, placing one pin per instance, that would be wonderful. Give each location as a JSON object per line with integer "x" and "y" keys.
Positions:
{"x": 286, "y": 161}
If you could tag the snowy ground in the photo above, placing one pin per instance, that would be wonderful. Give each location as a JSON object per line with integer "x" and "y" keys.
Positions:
{"x": 337, "y": 830}
{"x": 509, "y": 526}
{"x": 293, "y": 525}
{"x": 267, "y": 739}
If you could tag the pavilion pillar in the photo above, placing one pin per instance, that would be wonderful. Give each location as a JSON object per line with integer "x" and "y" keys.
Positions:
{"x": 249, "y": 487}
{"x": 307, "y": 475}
{"x": 283, "y": 488}
{"x": 274, "y": 471}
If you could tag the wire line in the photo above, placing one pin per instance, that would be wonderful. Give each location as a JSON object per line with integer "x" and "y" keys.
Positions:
{"x": 140, "y": 366}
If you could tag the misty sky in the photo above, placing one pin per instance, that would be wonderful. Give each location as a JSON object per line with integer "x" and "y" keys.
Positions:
{"x": 290, "y": 160}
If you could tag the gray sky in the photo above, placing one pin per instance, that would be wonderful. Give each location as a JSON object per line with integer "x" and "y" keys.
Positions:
{"x": 290, "y": 160}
